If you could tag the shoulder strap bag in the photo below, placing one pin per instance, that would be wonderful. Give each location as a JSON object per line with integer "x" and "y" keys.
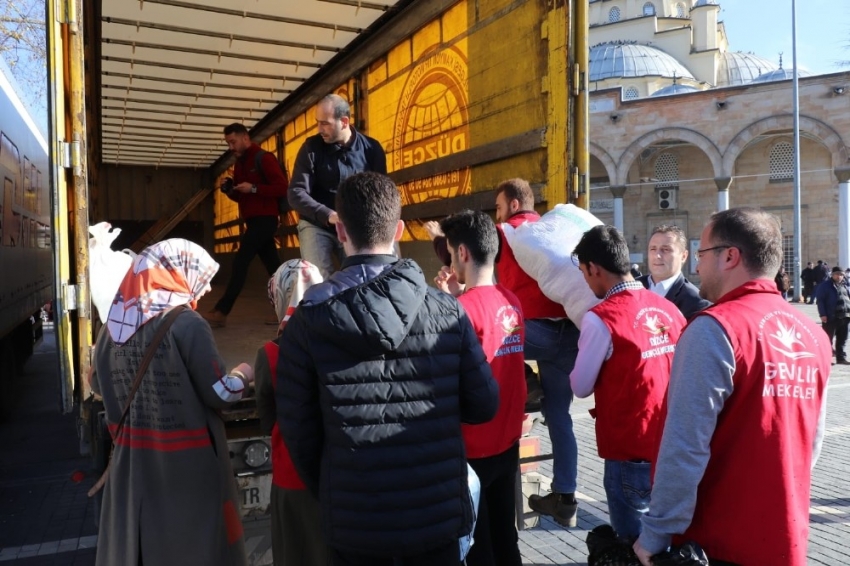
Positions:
{"x": 137, "y": 381}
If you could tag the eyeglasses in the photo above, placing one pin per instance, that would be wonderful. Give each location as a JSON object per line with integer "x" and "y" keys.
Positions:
{"x": 711, "y": 249}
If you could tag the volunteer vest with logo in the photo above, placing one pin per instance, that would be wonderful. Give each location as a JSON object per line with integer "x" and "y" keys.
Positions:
{"x": 632, "y": 384}
{"x": 534, "y": 303}
{"x": 753, "y": 501}
{"x": 496, "y": 316}
{"x": 283, "y": 470}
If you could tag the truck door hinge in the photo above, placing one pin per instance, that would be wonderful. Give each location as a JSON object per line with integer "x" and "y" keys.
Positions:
{"x": 70, "y": 296}
{"x": 69, "y": 154}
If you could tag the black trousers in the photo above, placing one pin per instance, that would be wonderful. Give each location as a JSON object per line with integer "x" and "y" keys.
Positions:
{"x": 837, "y": 328}
{"x": 496, "y": 539}
{"x": 258, "y": 239}
{"x": 443, "y": 556}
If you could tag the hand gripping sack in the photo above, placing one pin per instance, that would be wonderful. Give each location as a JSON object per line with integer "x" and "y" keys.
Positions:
{"x": 106, "y": 267}
{"x": 544, "y": 251}
{"x": 474, "y": 484}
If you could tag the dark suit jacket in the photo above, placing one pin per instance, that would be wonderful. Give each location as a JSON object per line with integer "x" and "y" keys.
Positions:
{"x": 683, "y": 294}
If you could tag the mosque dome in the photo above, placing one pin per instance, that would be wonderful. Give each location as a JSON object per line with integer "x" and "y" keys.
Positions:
{"x": 674, "y": 89}
{"x": 615, "y": 60}
{"x": 705, "y": 3}
{"x": 780, "y": 74}
{"x": 737, "y": 68}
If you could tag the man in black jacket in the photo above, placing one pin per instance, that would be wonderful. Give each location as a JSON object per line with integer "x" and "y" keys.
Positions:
{"x": 323, "y": 162}
{"x": 376, "y": 373}
{"x": 807, "y": 276}
{"x": 668, "y": 251}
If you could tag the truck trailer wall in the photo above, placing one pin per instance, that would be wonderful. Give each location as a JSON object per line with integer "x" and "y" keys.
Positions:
{"x": 459, "y": 105}
{"x": 134, "y": 197}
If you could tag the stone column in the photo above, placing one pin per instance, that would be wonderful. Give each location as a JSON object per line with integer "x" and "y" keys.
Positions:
{"x": 722, "y": 192}
{"x": 619, "y": 191}
{"x": 843, "y": 176}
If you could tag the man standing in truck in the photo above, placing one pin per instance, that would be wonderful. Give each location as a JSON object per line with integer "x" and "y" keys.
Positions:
{"x": 323, "y": 162}
{"x": 258, "y": 182}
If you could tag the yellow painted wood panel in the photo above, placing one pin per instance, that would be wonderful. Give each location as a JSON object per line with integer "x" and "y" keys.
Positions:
{"x": 454, "y": 22}
{"x": 505, "y": 74}
{"x": 377, "y": 73}
{"x": 399, "y": 58}
{"x": 426, "y": 39}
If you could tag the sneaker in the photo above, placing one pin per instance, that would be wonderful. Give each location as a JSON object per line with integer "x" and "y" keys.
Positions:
{"x": 556, "y": 505}
{"x": 216, "y": 318}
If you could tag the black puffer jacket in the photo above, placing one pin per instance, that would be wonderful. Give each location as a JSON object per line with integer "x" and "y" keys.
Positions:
{"x": 376, "y": 373}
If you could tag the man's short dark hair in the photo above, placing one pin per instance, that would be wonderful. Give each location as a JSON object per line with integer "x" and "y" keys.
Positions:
{"x": 475, "y": 230}
{"x": 235, "y": 128}
{"x": 518, "y": 189}
{"x": 340, "y": 105}
{"x": 369, "y": 206}
{"x": 675, "y": 231}
{"x": 756, "y": 233}
{"x": 605, "y": 247}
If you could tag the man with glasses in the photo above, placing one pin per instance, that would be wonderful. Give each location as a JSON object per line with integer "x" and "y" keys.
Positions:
{"x": 667, "y": 253}
{"x": 745, "y": 407}
{"x": 833, "y": 301}
{"x": 625, "y": 350}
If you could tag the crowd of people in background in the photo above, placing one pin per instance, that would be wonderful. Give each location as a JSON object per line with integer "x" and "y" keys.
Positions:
{"x": 384, "y": 394}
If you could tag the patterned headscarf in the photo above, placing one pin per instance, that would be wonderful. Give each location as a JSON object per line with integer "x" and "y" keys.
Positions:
{"x": 288, "y": 285}
{"x": 167, "y": 274}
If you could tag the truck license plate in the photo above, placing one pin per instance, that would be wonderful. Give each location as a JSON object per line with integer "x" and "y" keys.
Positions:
{"x": 255, "y": 494}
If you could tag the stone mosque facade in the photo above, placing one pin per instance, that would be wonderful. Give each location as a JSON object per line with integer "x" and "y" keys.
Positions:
{"x": 682, "y": 126}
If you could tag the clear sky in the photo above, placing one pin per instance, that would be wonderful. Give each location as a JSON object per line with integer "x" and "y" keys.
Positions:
{"x": 764, "y": 28}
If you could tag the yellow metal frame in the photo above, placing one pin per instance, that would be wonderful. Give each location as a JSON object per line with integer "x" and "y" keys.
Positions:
{"x": 70, "y": 197}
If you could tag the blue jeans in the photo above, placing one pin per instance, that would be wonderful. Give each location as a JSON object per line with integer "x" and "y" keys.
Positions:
{"x": 627, "y": 487}
{"x": 553, "y": 344}
{"x": 318, "y": 246}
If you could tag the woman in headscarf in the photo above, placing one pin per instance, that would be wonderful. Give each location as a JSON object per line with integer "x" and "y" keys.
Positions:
{"x": 296, "y": 532}
{"x": 170, "y": 497}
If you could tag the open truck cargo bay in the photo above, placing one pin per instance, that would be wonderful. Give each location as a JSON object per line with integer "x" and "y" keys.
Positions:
{"x": 461, "y": 93}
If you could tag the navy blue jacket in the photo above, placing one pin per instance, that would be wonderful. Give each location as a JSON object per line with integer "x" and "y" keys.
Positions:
{"x": 826, "y": 296}
{"x": 320, "y": 167}
{"x": 683, "y": 294}
{"x": 376, "y": 372}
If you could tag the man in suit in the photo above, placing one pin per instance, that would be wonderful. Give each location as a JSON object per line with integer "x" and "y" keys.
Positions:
{"x": 668, "y": 251}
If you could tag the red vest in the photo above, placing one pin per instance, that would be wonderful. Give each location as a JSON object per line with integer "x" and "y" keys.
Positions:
{"x": 753, "y": 501}
{"x": 631, "y": 389}
{"x": 283, "y": 470}
{"x": 497, "y": 319}
{"x": 508, "y": 272}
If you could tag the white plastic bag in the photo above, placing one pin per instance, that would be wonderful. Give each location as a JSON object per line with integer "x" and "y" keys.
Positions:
{"x": 474, "y": 484}
{"x": 107, "y": 267}
{"x": 544, "y": 250}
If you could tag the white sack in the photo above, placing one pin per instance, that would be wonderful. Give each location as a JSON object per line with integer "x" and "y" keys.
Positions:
{"x": 544, "y": 250}
{"x": 107, "y": 267}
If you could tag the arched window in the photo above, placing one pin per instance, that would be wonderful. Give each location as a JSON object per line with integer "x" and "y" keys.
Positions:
{"x": 631, "y": 93}
{"x": 667, "y": 171}
{"x": 680, "y": 10}
{"x": 782, "y": 162}
{"x": 614, "y": 15}
{"x": 649, "y": 9}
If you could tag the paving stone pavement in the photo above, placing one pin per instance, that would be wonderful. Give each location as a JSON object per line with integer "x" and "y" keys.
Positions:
{"x": 46, "y": 519}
